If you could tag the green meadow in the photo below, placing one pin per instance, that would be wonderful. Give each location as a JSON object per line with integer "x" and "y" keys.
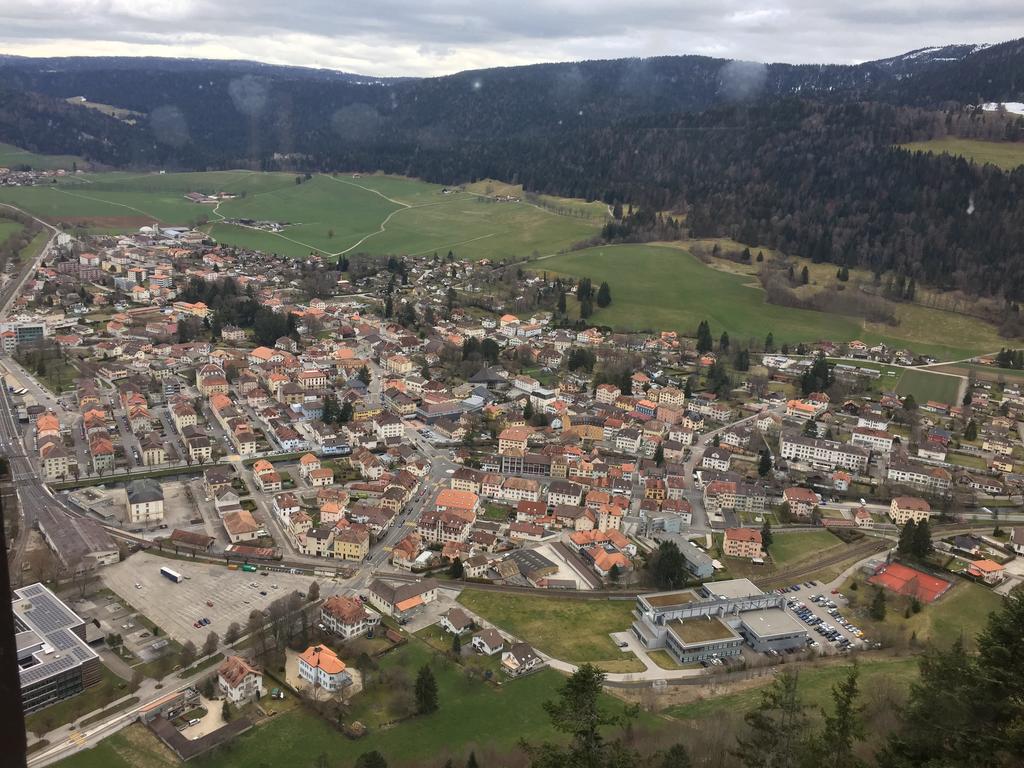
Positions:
{"x": 471, "y": 714}
{"x": 1004, "y": 154}
{"x": 327, "y": 214}
{"x": 13, "y": 157}
{"x": 927, "y": 386}
{"x": 8, "y": 228}
{"x": 663, "y": 287}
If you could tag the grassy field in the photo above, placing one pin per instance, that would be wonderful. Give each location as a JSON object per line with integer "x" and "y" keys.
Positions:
{"x": 327, "y": 214}
{"x": 789, "y": 548}
{"x": 665, "y": 660}
{"x": 668, "y": 288}
{"x": 8, "y": 228}
{"x": 12, "y": 157}
{"x": 921, "y": 326}
{"x": 661, "y": 287}
{"x": 472, "y": 713}
{"x": 926, "y": 386}
{"x": 962, "y": 611}
{"x": 133, "y": 747}
{"x": 985, "y": 372}
{"x": 583, "y": 208}
{"x": 570, "y": 630}
{"x": 1003, "y": 154}
{"x": 815, "y": 685}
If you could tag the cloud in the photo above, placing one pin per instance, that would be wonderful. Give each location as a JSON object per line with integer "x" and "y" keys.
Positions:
{"x": 429, "y": 37}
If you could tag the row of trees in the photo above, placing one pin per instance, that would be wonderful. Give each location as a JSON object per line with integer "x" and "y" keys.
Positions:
{"x": 587, "y": 298}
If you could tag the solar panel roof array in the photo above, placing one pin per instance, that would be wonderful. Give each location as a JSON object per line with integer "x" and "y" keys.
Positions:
{"x": 55, "y": 647}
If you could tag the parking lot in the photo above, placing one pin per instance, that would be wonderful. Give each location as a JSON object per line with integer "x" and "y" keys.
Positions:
{"x": 825, "y": 613}
{"x": 176, "y": 607}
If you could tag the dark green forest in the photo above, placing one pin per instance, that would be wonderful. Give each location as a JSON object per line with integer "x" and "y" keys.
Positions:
{"x": 798, "y": 158}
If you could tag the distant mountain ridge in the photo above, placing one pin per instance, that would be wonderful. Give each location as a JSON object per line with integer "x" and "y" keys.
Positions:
{"x": 209, "y": 112}
{"x": 801, "y": 158}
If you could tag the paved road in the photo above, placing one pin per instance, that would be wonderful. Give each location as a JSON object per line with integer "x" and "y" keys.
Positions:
{"x": 700, "y": 522}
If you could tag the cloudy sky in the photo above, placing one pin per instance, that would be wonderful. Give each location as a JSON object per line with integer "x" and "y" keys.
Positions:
{"x": 428, "y": 37}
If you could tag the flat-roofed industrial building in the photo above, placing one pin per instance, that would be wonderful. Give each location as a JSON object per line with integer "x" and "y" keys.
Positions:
{"x": 714, "y": 620}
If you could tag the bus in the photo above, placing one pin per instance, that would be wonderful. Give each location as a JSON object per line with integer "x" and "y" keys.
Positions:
{"x": 174, "y": 576}
{"x": 249, "y": 568}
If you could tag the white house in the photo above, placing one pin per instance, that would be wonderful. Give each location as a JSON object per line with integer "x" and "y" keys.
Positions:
{"x": 488, "y": 642}
{"x": 238, "y": 680}
{"x": 320, "y": 666}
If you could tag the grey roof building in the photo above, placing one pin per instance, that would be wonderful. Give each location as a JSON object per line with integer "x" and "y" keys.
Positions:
{"x": 54, "y": 662}
{"x": 145, "y": 490}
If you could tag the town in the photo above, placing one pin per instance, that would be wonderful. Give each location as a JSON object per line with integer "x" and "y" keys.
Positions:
{"x": 331, "y": 461}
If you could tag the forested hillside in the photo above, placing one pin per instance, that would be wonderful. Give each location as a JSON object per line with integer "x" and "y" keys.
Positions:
{"x": 798, "y": 158}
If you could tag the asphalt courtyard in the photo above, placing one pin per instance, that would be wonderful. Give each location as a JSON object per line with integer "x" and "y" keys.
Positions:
{"x": 176, "y": 607}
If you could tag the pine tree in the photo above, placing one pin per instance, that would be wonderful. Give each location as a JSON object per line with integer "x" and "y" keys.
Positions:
{"x": 777, "y": 727}
{"x": 723, "y": 342}
{"x": 742, "y": 362}
{"x": 372, "y": 759}
{"x": 659, "y": 455}
{"x": 471, "y": 762}
{"x": 805, "y": 276}
{"x": 604, "y": 295}
{"x": 675, "y": 756}
{"x": 457, "y": 644}
{"x": 578, "y": 712}
{"x": 764, "y": 463}
{"x": 456, "y": 569}
{"x": 704, "y": 341}
{"x": 844, "y": 726}
{"x": 905, "y": 545}
{"x": 877, "y": 609}
{"x": 922, "y": 541}
{"x": 345, "y": 413}
{"x": 769, "y": 342}
{"x": 946, "y": 715}
{"x": 561, "y": 302}
{"x": 766, "y": 534}
{"x": 971, "y": 431}
{"x": 426, "y": 691}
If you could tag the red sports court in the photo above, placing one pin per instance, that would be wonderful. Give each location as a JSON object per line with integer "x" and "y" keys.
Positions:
{"x": 904, "y": 580}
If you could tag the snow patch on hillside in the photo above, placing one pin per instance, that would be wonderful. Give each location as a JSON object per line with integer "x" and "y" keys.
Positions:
{"x": 1013, "y": 107}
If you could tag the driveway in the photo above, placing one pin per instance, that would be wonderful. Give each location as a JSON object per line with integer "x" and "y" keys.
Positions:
{"x": 210, "y": 722}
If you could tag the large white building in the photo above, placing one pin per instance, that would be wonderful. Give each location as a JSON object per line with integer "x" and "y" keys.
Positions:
{"x": 873, "y": 439}
{"x": 934, "y": 479}
{"x": 823, "y": 454}
{"x": 320, "y": 667}
{"x": 145, "y": 500}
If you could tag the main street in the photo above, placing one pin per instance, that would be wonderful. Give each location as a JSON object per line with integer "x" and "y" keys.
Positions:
{"x": 700, "y": 522}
